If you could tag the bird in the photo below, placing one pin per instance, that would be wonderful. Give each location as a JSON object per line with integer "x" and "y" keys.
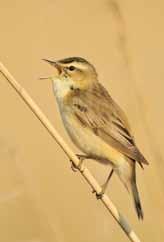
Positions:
{"x": 95, "y": 123}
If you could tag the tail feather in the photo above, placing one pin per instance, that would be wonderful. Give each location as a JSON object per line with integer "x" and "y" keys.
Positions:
{"x": 137, "y": 202}
{"x": 127, "y": 174}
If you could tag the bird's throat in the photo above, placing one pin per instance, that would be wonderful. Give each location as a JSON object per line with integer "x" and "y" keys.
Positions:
{"x": 62, "y": 88}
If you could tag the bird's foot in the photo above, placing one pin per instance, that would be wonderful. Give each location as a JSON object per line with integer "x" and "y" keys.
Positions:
{"x": 98, "y": 195}
{"x": 76, "y": 168}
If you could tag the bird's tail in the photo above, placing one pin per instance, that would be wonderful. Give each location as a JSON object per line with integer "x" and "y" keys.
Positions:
{"x": 127, "y": 174}
{"x": 136, "y": 199}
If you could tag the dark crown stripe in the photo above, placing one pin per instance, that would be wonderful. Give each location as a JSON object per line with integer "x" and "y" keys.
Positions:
{"x": 72, "y": 59}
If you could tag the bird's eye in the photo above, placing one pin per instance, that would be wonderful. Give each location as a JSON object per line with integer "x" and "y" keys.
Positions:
{"x": 71, "y": 68}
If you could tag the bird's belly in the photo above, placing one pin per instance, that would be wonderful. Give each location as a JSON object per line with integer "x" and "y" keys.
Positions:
{"x": 89, "y": 143}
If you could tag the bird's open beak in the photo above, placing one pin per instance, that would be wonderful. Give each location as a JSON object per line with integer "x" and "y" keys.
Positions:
{"x": 55, "y": 64}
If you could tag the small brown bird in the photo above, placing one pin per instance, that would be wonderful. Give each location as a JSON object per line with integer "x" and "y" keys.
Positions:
{"x": 95, "y": 123}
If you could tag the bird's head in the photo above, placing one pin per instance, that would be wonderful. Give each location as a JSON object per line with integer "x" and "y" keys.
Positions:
{"x": 74, "y": 71}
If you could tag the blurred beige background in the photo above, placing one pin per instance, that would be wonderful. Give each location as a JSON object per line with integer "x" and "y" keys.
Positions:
{"x": 41, "y": 199}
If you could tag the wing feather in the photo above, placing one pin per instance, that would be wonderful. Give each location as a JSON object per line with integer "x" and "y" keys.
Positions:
{"x": 97, "y": 111}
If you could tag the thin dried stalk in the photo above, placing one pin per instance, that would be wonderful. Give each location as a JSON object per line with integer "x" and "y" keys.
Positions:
{"x": 84, "y": 171}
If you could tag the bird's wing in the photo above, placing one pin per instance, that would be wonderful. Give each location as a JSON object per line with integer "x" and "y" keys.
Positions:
{"x": 97, "y": 111}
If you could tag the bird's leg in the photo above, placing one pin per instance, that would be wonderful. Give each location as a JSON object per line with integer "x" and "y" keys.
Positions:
{"x": 104, "y": 186}
{"x": 81, "y": 158}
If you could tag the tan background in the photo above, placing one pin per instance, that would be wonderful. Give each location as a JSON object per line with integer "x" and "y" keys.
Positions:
{"x": 41, "y": 200}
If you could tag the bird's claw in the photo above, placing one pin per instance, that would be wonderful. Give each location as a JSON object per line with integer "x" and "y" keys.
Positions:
{"x": 98, "y": 195}
{"x": 76, "y": 168}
